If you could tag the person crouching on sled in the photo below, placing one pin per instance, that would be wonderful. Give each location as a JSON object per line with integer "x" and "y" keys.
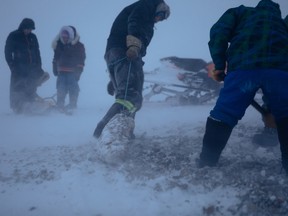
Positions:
{"x": 129, "y": 38}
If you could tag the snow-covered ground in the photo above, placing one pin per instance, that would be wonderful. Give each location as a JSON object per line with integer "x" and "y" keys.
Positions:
{"x": 49, "y": 166}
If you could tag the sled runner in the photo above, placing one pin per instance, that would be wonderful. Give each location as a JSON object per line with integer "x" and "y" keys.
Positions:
{"x": 44, "y": 106}
{"x": 195, "y": 87}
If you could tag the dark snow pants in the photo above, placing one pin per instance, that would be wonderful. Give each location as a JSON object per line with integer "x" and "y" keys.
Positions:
{"x": 127, "y": 76}
{"x": 237, "y": 94}
{"x": 67, "y": 83}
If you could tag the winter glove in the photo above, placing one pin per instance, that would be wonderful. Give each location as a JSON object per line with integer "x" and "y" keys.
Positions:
{"x": 78, "y": 72}
{"x": 77, "y": 75}
{"x": 55, "y": 71}
{"x": 133, "y": 47}
{"x": 217, "y": 75}
{"x": 12, "y": 68}
{"x": 78, "y": 69}
{"x": 110, "y": 88}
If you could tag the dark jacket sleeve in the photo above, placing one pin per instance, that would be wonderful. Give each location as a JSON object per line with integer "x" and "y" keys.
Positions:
{"x": 37, "y": 52}
{"x": 286, "y": 20}
{"x": 9, "y": 49}
{"x": 82, "y": 55}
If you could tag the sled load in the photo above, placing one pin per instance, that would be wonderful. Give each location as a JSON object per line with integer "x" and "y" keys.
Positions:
{"x": 40, "y": 105}
{"x": 190, "y": 83}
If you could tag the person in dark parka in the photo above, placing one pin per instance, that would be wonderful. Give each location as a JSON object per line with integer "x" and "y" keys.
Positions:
{"x": 286, "y": 20}
{"x": 22, "y": 55}
{"x": 254, "y": 43}
{"x": 129, "y": 38}
{"x": 68, "y": 64}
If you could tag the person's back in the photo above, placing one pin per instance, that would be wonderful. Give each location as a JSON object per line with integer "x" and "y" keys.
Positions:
{"x": 254, "y": 44}
{"x": 258, "y": 38}
{"x": 286, "y": 20}
{"x": 136, "y": 19}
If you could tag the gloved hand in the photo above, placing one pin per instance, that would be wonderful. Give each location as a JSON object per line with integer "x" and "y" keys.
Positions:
{"x": 12, "y": 68}
{"x": 55, "y": 71}
{"x": 133, "y": 47}
{"x": 77, "y": 75}
{"x": 78, "y": 69}
{"x": 110, "y": 88}
{"x": 217, "y": 75}
{"x": 78, "y": 72}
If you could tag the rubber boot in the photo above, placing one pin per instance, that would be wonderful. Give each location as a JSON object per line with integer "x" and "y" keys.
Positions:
{"x": 282, "y": 128}
{"x": 114, "y": 109}
{"x": 215, "y": 139}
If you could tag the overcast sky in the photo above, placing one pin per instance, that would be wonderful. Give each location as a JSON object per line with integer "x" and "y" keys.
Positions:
{"x": 184, "y": 34}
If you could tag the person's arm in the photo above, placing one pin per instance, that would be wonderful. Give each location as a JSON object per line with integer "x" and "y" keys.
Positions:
{"x": 9, "y": 49}
{"x": 220, "y": 36}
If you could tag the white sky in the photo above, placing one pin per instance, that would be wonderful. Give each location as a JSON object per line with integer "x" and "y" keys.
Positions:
{"x": 184, "y": 34}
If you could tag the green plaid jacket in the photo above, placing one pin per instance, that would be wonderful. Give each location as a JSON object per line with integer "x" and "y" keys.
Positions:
{"x": 250, "y": 38}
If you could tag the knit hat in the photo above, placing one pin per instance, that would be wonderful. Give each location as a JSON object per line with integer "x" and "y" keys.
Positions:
{"x": 163, "y": 10}
{"x": 27, "y": 24}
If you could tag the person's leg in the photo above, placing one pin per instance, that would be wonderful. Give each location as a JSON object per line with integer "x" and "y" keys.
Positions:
{"x": 129, "y": 78}
{"x": 73, "y": 89}
{"x": 282, "y": 129}
{"x": 113, "y": 57}
{"x": 236, "y": 95}
{"x": 215, "y": 138}
{"x": 61, "y": 90}
{"x": 114, "y": 109}
{"x": 275, "y": 88}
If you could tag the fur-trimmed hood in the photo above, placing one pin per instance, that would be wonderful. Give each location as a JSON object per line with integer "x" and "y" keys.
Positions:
{"x": 74, "y": 37}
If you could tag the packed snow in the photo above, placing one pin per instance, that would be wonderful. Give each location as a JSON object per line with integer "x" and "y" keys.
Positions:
{"x": 49, "y": 164}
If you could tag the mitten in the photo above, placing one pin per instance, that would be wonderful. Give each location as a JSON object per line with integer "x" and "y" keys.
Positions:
{"x": 133, "y": 47}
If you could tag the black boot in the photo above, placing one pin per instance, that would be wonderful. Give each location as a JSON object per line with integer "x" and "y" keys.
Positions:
{"x": 114, "y": 109}
{"x": 215, "y": 138}
{"x": 282, "y": 128}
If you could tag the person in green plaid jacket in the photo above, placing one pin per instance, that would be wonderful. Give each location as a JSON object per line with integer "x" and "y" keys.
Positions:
{"x": 252, "y": 42}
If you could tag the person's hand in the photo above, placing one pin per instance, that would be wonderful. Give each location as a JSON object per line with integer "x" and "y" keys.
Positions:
{"x": 133, "y": 47}
{"x": 55, "y": 71}
{"x": 77, "y": 75}
{"x": 132, "y": 52}
{"x": 217, "y": 75}
{"x": 78, "y": 72}
{"x": 12, "y": 68}
{"x": 110, "y": 88}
